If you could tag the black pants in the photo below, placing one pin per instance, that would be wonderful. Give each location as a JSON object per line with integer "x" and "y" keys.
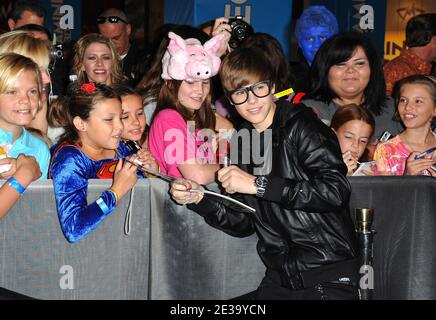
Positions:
{"x": 270, "y": 290}
{"x": 336, "y": 281}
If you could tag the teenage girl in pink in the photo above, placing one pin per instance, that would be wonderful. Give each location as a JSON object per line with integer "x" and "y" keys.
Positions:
{"x": 182, "y": 133}
{"x": 416, "y": 107}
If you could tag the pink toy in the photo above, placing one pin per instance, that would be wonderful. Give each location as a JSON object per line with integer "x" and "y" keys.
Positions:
{"x": 189, "y": 60}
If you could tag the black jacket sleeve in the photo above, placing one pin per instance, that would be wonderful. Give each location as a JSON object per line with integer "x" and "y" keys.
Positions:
{"x": 224, "y": 217}
{"x": 323, "y": 186}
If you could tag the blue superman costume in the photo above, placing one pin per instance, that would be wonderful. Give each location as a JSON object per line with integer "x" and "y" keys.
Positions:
{"x": 70, "y": 170}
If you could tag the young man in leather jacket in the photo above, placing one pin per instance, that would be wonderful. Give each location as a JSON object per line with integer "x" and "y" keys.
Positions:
{"x": 300, "y": 190}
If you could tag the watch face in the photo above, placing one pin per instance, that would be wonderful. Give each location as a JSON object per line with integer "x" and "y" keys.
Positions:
{"x": 261, "y": 181}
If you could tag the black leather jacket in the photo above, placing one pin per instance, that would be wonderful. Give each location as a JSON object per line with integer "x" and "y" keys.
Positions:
{"x": 302, "y": 221}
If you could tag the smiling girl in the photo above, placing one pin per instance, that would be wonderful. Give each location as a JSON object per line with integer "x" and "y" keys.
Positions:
{"x": 134, "y": 121}
{"x": 416, "y": 107}
{"x": 89, "y": 149}
{"x": 183, "y": 112}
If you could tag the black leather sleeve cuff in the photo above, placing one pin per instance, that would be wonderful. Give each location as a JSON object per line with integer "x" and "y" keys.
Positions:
{"x": 274, "y": 190}
{"x": 204, "y": 207}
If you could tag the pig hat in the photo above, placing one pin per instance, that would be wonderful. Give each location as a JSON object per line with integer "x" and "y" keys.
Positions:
{"x": 189, "y": 60}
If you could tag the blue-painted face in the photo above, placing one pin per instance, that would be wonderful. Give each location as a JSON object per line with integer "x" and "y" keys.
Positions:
{"x": 311, "y": 39}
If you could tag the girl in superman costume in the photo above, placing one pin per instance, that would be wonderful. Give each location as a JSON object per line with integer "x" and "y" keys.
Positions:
{"x": 90, "y": 148}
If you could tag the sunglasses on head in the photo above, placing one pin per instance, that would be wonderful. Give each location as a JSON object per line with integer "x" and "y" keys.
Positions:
{"x": 111, "y": 19}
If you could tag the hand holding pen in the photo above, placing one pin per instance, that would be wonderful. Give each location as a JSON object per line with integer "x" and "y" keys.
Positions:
{"x": 144, "y": 155}
{"x": 350, "y": 161}
{"x": 418, "y": 162}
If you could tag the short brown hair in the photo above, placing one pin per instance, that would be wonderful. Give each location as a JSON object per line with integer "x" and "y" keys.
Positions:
{"x": 241, "y": 66}
{"x": 351, "y": 112}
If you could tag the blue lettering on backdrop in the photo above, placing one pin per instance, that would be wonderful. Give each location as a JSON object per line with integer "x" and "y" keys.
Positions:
{"x": 238, "y": 8}
{"x": 269, "y": 16}
{"x": 63, "y": 19}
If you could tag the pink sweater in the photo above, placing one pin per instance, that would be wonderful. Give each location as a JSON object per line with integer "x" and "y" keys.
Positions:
{"x": 171, "y": 143}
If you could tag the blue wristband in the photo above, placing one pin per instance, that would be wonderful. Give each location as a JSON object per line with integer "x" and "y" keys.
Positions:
{"x": 100, "y": 202}
{"x": 13, "y": 183}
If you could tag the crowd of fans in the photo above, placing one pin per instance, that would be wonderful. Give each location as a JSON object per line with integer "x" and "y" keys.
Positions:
{"x": 179, "y": 117}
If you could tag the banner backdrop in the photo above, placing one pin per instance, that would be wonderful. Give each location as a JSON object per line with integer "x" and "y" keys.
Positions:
{"x": 63, "y": 19}
{"x": 269, "y": 16}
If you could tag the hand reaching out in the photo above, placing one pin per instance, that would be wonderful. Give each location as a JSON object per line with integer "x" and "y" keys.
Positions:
{"x": 180, "y": 191}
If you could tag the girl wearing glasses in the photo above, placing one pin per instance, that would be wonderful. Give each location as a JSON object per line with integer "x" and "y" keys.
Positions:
{"x": 182, "y": 136}
{"x": 96, "y": 60}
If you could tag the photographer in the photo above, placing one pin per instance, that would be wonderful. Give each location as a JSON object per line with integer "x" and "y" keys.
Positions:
{"x": 236, "y": 30}
{"x": 222, "y": 26}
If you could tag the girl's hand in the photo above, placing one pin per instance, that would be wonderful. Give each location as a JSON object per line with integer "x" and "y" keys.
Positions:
{"x": 147, "y": 159}
{"x": 28, "y": 167}
{"x": 415, "y": 167}
{"x": 124, "y": 178}
{"x": 13, "y": 163}
{"x": 180, "y": 191}
{"x": 350, "y": 161}
{"x": 25, "y": 169}
{"x": 233, "y": 179}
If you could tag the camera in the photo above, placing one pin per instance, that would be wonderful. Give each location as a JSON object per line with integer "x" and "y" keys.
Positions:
{"x": 240, "y": 31}
{"x": 56, "y": 52}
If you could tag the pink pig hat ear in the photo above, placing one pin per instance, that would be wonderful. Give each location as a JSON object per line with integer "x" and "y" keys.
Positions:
{"x": 181, "y": 55}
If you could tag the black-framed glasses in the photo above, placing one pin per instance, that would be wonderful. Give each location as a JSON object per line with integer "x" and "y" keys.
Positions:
{"x": 260, "y": 89}
{"x": 111, "y": 19}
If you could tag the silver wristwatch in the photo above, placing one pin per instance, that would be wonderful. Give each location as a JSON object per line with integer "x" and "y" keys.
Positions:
{"x": 261, "y": 183}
